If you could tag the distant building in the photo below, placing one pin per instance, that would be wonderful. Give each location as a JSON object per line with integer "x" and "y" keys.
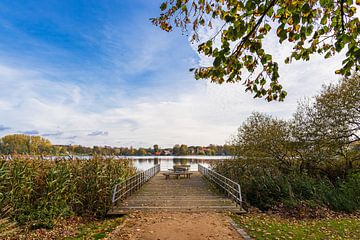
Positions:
{"x": 167, "y": 152}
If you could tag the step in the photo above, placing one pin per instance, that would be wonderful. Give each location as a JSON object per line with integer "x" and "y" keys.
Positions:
{"x": 126, "y": 210}
{"x": 178, "y": 198}
{"x": 187, "y": 203}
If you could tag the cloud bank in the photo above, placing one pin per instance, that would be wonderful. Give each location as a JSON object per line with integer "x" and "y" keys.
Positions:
{"x": 138, "y": 90}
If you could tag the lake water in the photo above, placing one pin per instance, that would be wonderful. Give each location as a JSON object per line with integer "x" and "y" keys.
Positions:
{"x": 167, "y": 162}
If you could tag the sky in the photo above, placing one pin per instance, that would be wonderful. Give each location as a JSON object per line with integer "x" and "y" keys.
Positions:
{"x": 99, "y": 73}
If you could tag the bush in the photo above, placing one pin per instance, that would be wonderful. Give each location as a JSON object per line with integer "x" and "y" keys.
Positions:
{"x": 265, "y": 187}
{"x": 346, "y": 197}
{"x": 38, "y": 191}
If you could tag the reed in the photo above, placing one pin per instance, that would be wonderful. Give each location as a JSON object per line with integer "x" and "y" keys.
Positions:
{"x": 37, "y": 192}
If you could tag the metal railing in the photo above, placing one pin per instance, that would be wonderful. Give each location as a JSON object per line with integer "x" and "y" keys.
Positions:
{"x": 229, "y": 187}
{"x": 134, "y": 183}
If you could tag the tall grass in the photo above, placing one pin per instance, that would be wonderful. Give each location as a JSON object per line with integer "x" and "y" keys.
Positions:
{"x": 37, "y": 191}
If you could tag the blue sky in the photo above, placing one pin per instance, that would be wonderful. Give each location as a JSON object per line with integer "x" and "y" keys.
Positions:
{"x": 99, "y": 73}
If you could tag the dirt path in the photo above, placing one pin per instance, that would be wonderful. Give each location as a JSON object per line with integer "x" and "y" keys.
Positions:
{"x": 176, "y": 226}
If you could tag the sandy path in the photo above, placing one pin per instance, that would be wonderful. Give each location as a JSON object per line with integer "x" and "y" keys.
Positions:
{"x": 176, "y": 226}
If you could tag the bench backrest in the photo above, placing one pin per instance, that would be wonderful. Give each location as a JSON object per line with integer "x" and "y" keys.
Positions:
{"x": 180, "y": 169}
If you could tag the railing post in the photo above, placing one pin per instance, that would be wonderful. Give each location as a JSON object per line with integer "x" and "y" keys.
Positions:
{"x": 114, "y": 194}
{"x": 134, "y": 183}
{"x": 227, "y": 186}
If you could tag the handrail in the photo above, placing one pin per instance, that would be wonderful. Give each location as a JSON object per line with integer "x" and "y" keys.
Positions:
{"x": 231, "y": 188}
{"x": 132, "y": 184}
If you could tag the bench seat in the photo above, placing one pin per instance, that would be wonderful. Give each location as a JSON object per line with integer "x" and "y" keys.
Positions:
{"x": 177, "y": 174}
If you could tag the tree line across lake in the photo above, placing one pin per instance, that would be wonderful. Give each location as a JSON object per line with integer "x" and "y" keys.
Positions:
{"x": 37, "y": 145}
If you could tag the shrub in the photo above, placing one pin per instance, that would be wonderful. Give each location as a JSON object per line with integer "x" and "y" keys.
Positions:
{"x": 346, "y": 197}
{"x": 264, "y": 186}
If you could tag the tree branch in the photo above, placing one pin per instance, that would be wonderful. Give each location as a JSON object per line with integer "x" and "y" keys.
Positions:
{"x": 342, "y": 16}
{"x": 246, "y": 38}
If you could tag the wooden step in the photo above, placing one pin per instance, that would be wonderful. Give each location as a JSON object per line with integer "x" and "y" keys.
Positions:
{"x": 128, "y": 210}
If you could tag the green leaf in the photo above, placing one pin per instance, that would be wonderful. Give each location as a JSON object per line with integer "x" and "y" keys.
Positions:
{"x": 328, "y": 54}
{"x": 283, "y": 94}
{"x": 306, "y": 8}
{"x": 163, "y": 6}
{"x": 324, "y": 20}
{"x": 217, "y": 61}
{"x": 267, "y": 27}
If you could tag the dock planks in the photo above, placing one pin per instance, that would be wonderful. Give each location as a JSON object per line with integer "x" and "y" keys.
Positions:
{"x": 193, "y": 195}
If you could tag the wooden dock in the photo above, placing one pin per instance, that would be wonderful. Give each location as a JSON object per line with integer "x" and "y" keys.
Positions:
{"x": 193, "y": 195}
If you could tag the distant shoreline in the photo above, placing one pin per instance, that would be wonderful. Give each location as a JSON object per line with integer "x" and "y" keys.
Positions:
{"x": 205, "y": 157}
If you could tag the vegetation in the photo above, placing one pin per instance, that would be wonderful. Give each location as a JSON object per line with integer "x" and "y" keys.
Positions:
{"x": 37, "y": 192}
{"x": 96, "y": 230}
{"x": 263, "y": 226}
{"x": 70, "y": 228}
{"x": 36, "y": 145}
{"x": 323, "y": 27}
{"x": 312, "y": 159}
{"x": 25, "y": 144}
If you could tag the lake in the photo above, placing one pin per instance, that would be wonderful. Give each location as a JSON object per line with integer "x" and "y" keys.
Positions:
{"x": 166, "y": 162}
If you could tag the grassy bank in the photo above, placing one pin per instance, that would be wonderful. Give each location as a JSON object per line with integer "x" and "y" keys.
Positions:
{"x": 264, "y": 226}
{"x": 38, "y": 192}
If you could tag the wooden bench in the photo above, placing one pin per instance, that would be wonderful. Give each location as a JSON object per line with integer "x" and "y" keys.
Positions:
{"x": 177, "y": 174}
{"x": 181, "y": 168}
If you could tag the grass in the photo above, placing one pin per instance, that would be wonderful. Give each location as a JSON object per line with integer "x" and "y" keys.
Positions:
{"x": 264, "y": 226}
{"x": 72, "y": 228}
{"x": 96, "y": 229}
{"x": 7, "y": 227}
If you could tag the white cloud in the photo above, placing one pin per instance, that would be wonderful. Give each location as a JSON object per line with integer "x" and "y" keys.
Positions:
{"x": 195, "y": 113}
{"x": 204, "y": 114}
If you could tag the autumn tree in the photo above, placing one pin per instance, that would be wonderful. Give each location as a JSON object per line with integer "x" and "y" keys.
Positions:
{"x": 312, "y": 26}
{"x": 183, "y": 150}
{"x": 338, "y": 108}
{"x": 24, "y": 144}
{"x": 265, "y": 140}
{"x": 141, "y": 152}
{"x": 325, "y": 129}
{"x": 156, "y": 148}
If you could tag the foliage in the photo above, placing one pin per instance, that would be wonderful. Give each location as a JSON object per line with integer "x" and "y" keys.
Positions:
{"x": 322, "y": 26}
{"x": 262, "y": 136}
{"x": 24, "y": 144}
{"x": 263, "y": 226}
{"x": 326, "y": 129}
{"x": 312, "y": 158}
{"x": 40, "y": 191}
{"x": 347, "y": 196}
